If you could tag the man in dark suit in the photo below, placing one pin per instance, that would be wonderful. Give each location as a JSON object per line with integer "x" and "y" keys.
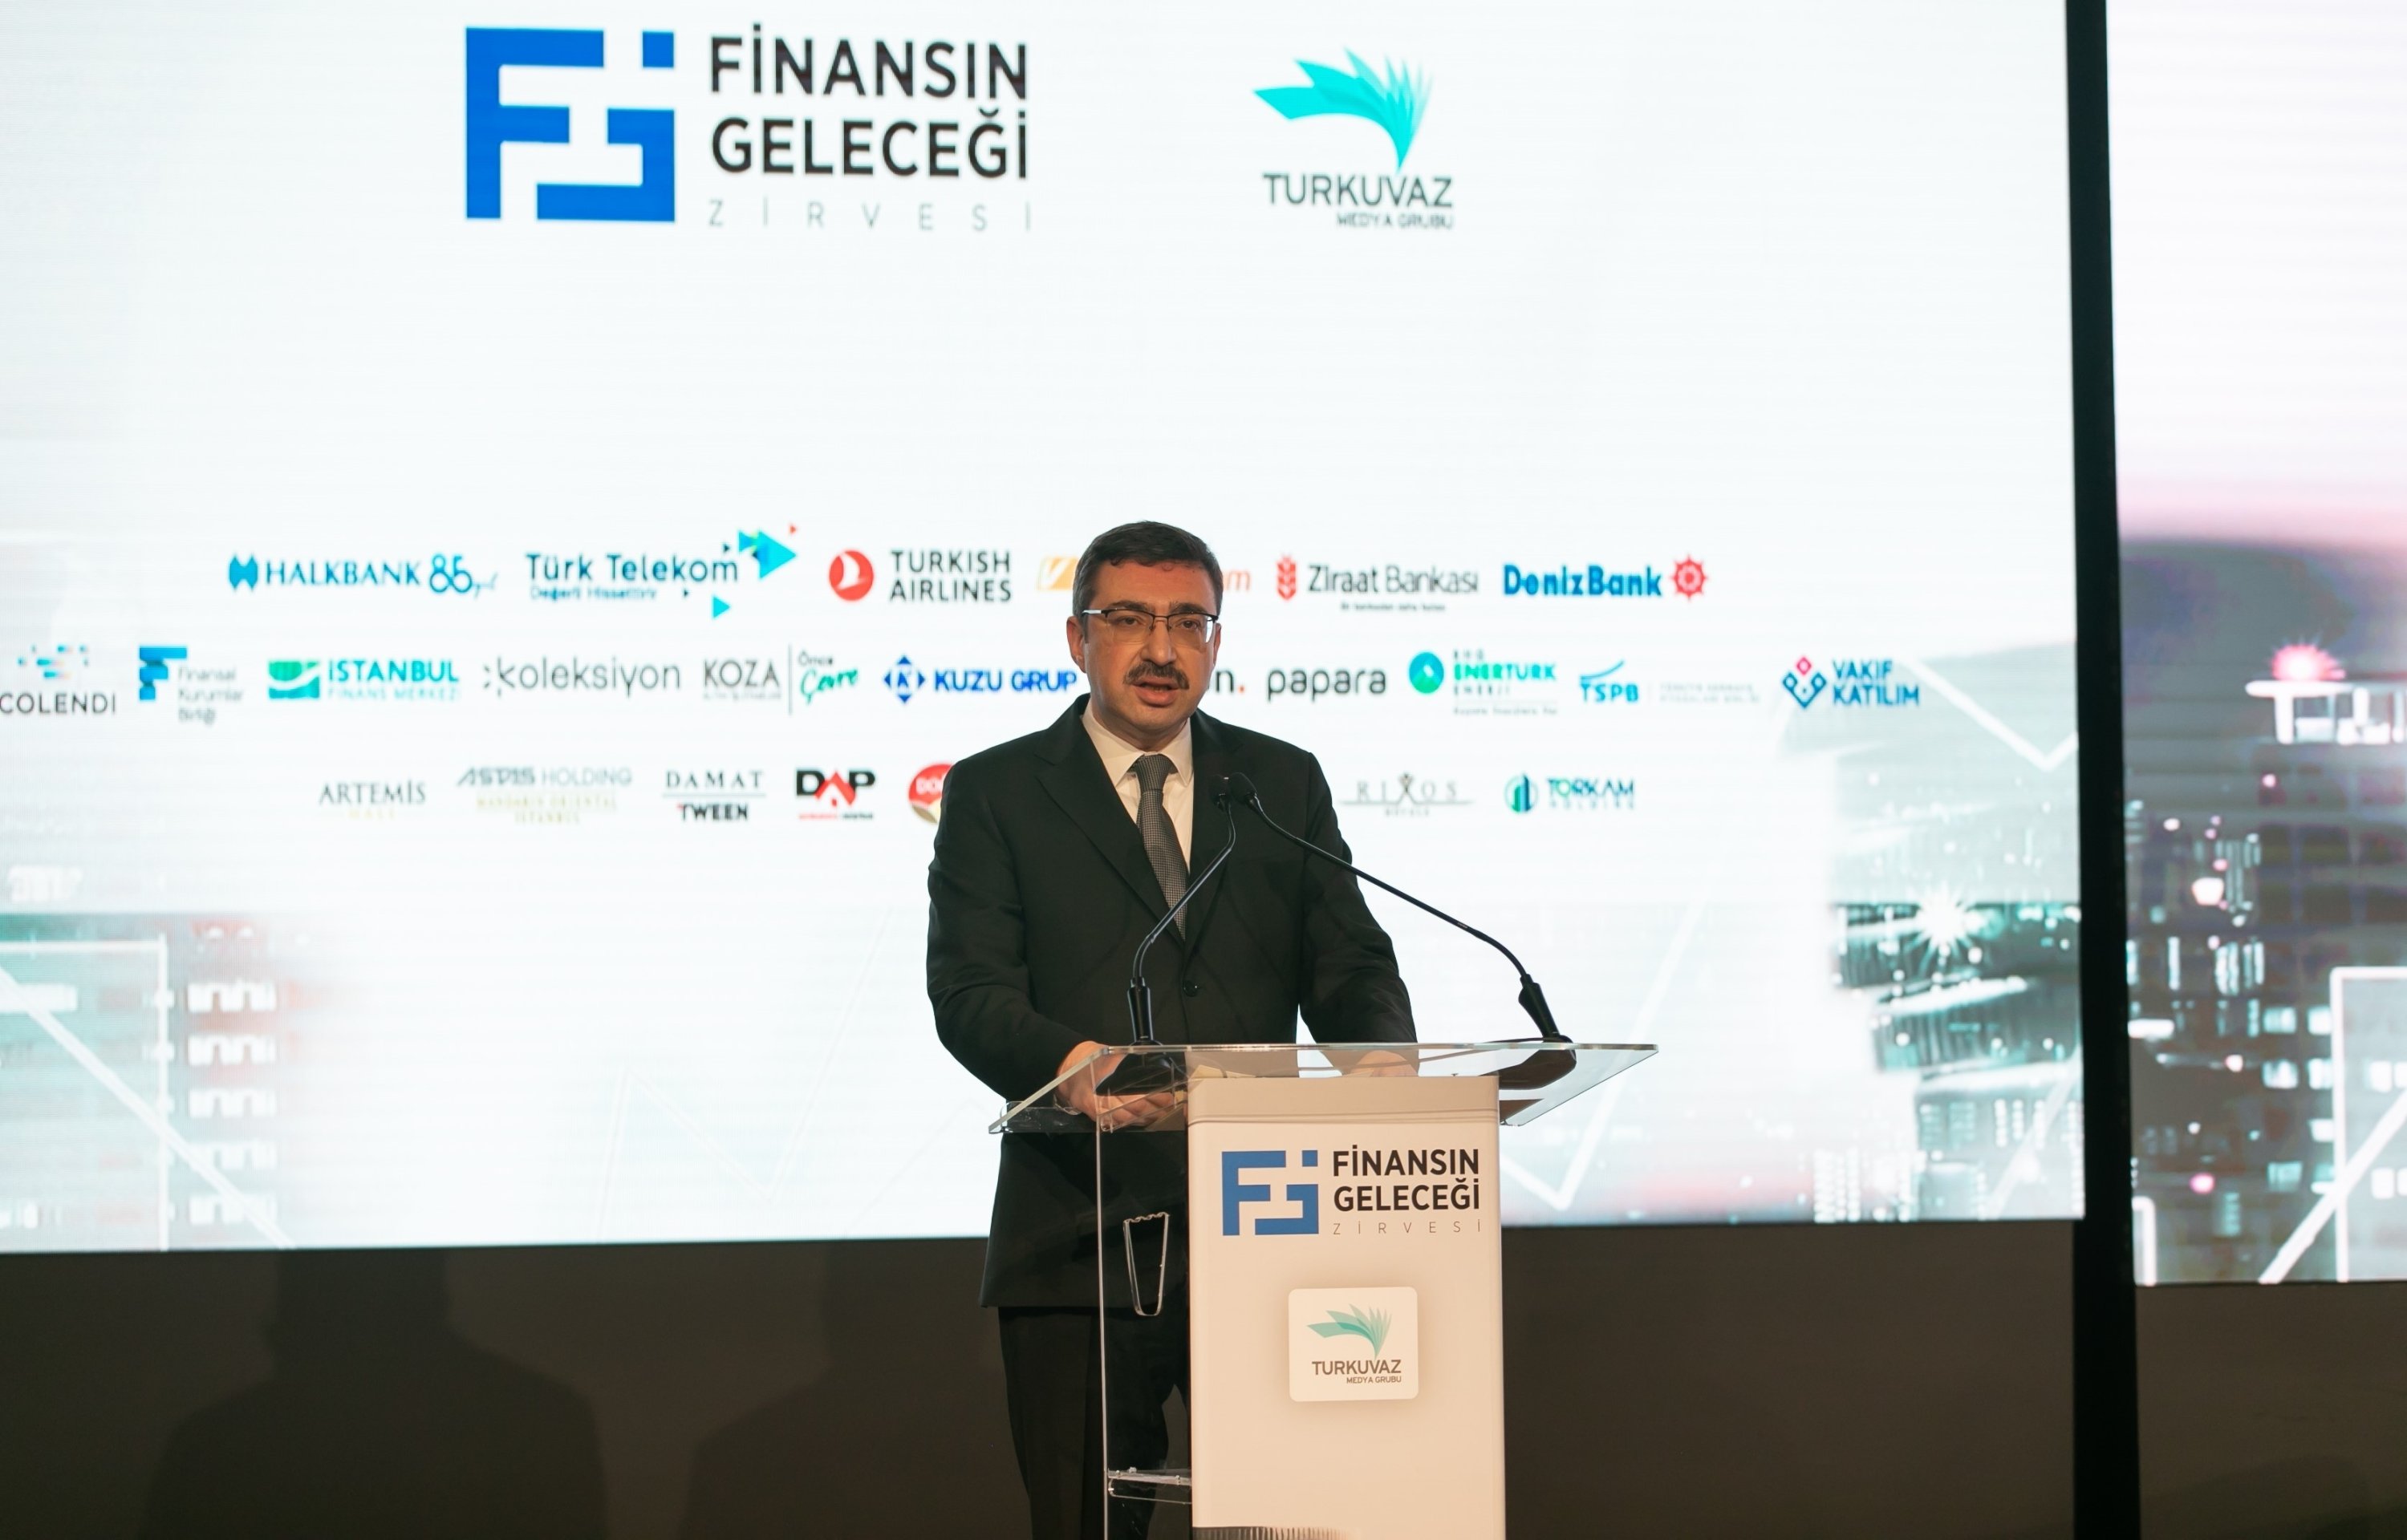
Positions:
{"x": 1057, "y": 853}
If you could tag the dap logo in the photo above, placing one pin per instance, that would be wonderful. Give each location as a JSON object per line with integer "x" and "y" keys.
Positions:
{"x": 492, "y": 124}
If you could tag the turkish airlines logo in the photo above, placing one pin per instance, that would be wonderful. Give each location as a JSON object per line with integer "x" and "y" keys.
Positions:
{"x": 851, "y": 576}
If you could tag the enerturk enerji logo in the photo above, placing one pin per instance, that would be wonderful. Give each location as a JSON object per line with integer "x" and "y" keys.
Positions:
{"x": 492, "y": 125}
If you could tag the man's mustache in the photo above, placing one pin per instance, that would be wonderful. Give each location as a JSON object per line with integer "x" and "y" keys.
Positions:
{"x": 1176, "y": 678}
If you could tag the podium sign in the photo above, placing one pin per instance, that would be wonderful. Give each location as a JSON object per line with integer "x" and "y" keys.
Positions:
{"x": 1346, "y": 1289}
{"x": 1340, "y": 1218}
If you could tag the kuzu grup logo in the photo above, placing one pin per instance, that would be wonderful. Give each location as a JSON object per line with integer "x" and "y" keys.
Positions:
{"x": 492, "y": 124}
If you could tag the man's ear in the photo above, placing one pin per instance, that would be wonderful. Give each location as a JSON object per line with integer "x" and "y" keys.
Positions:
{"x": 1076, "y": 632}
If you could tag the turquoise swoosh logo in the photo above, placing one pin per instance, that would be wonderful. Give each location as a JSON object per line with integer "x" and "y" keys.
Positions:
{"x": 1395, "y": 100}
{"x": 1370, "y": 1325}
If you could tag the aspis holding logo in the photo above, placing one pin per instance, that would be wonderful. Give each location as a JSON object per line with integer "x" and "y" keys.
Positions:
{"x": 1392, "y": 99}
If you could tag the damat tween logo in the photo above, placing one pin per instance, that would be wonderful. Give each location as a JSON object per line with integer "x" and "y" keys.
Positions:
{"x": 1392, "y": 98}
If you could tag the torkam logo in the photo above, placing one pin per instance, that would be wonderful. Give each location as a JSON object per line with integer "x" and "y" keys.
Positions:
{"x": 492, "y": 124}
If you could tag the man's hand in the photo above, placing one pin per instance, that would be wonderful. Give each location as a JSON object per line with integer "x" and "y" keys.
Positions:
{"x": 1079, "y": 1092}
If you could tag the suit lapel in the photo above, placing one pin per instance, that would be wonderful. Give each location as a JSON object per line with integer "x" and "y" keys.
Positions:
{"x": 1074, "y": 778}
{"x": 1209, "y": 831}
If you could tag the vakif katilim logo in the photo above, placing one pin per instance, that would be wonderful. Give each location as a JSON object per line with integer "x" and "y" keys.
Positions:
{"x": 492, "y": 124}
{"x": 1393, "y": 99}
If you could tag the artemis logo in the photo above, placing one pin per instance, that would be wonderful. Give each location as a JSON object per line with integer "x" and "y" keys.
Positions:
{"x": 492, "y": 124}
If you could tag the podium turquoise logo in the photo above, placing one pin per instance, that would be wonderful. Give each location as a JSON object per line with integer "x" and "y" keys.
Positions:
{"x": 492, "y": 124}
{"x": 1393, "y": 100}
{"x": 1370, "y": 1325}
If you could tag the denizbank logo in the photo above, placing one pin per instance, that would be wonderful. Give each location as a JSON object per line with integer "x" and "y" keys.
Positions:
{"x": 1353, "y": 1344}
{"x": 1392, "y": 99}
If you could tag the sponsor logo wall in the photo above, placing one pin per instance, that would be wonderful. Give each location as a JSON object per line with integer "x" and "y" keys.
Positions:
{"x": 571, "y": 730}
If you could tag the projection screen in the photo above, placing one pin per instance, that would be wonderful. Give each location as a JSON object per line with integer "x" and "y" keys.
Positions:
{"x": 508, "y": 514}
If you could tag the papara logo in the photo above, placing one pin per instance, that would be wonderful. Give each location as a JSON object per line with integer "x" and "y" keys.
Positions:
{"x": 492, "y": 124}
{"x": 1370, "y": 1325}
{"x": 1393, "y": 100}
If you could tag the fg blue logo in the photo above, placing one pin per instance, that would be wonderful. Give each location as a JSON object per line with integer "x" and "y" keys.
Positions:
{"x": 1236, "y": 1193}
{"x": 492, "y": 125}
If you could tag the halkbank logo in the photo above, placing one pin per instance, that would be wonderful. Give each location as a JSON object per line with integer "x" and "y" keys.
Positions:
{"x": 1393, "y": 100}
{"x": 1370, "y": 1325}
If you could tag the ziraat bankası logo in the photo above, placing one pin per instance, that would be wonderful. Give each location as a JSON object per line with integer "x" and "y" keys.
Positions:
{"x": 936, "y": 128}
{"x": 1372, "y": 111}
{"x": 1375, "y": 587}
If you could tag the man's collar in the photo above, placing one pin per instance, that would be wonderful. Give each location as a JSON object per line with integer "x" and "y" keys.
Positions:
{"x": 1117, "y": 753}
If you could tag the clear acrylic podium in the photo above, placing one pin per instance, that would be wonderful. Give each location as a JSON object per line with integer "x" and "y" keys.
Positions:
{"x": 1335, "y": 1210}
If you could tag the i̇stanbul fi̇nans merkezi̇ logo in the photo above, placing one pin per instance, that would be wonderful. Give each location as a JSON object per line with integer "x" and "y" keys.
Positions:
{"x": 914, "y": 118}
{"x": 1392, "y": 99}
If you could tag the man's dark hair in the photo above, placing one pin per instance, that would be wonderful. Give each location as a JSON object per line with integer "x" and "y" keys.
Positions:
{"x": 1149, "y": 544}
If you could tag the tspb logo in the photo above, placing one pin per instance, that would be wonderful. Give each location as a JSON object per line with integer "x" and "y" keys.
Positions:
{"x": 492, "y": 124}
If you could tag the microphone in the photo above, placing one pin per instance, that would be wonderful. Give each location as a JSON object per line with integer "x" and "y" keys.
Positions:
{"x": 1140, "y": 994}
{"x": 1533, "y": 999}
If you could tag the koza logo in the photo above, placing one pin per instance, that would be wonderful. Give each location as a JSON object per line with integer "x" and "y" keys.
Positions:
{"x": 492, "y": 124}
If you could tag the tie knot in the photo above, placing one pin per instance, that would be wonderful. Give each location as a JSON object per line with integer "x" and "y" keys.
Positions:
{"x": 1152, "y": 770}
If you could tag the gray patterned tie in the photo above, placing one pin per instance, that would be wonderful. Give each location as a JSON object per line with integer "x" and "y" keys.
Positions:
{"x": 1153, "y": 826}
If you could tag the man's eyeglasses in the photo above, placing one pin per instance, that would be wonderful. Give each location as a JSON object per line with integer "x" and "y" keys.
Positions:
{"x": 1189, "y": 629}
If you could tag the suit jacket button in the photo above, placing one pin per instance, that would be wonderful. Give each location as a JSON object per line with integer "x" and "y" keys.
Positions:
{"x": 1189, "y": 988}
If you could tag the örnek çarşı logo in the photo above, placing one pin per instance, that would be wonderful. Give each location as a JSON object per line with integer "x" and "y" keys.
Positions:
{"x": 1393, "y": 99}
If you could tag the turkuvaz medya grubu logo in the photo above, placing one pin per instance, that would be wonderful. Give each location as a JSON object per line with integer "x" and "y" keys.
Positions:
{"x": 1392, "y": 99}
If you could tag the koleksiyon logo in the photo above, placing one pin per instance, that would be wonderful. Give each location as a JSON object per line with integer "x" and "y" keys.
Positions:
{"x": 1393, "y": 100}
{"x": 962, "y": 136}
{"x": 1370, "y": 1325}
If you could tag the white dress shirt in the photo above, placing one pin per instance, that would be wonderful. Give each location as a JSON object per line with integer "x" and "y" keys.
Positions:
{"x": 1177, "y": 792}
